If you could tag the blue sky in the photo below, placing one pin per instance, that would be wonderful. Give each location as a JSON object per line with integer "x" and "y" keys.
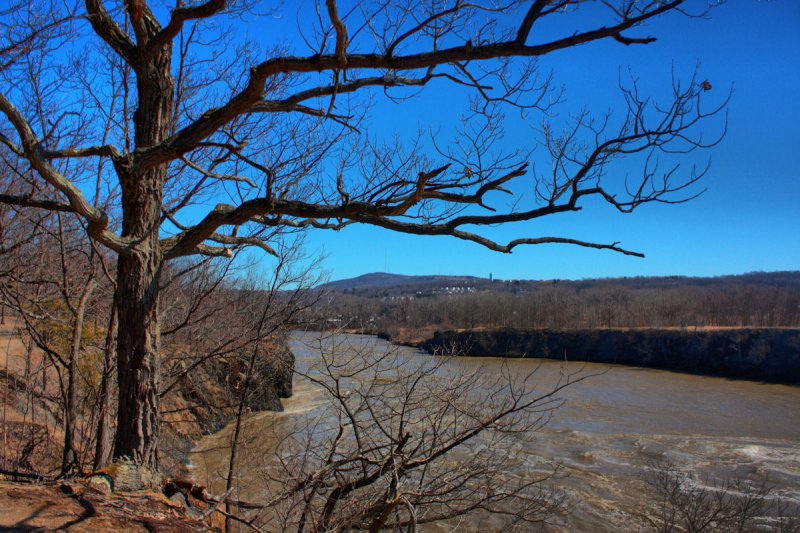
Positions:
{"x": 747, "y": 220}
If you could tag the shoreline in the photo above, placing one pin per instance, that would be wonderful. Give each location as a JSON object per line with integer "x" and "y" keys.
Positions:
{"x": 761, "y": 354}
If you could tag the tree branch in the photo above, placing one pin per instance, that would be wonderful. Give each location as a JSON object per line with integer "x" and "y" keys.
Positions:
{"x": 91, "y": 151}
{"x": 179, "y": 17}
{"x": 341, "y": 33}
{"x": 110, "y": 32}
{"x": 530, "y": 18}
{"x": 38, "y": 203}
{"x": 190, "y": 136}
{"x": 97, "y": 221}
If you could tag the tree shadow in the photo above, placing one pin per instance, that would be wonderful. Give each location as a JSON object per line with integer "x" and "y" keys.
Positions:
{"x": 88, "y": 508}
{"x": 24, "y": 524}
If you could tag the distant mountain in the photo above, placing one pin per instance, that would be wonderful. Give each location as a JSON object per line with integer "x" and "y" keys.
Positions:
{"x": 382, "y": 280}
{"x": 400, "y": 284}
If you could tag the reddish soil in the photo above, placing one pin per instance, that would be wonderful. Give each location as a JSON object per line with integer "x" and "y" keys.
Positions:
{"x": 72, "y": 506}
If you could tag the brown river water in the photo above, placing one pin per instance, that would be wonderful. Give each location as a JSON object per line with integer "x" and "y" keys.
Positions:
{"x": 608, "y": 428}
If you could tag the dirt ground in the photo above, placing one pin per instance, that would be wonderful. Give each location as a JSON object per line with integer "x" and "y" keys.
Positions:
{"x": 68, "y": 505}
{"x": 29, "y": 439}
{"x": 72, "y": 506}
{"x": 12, "y": 351}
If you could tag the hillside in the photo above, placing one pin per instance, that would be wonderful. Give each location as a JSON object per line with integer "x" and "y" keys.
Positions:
{"x": 402, "y": 284}
{"x": 382, "y": 280}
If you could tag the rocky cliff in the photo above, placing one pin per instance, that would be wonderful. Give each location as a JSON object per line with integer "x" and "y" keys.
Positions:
{"x": 206, "y": 397}
{"x": 760, "y": 354}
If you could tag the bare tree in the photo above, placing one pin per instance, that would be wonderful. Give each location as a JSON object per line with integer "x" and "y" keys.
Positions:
{"x": 51, "y": 279}
{"x": 687, "y": 503}
{"x": 178, "y": 111}
{"x": 280, "y": 301}
{"x": 397, "y": 442}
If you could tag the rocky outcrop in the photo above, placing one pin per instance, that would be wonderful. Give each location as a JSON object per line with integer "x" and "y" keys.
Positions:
{"x": 213, "y": 389}
{"x": 206, "y": 397}
{"x": 759, "y": 354}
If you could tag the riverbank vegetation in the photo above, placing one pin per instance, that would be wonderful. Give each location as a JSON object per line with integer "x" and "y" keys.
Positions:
{"x": 410, "y": 311}
{"x": 60, "y": 360}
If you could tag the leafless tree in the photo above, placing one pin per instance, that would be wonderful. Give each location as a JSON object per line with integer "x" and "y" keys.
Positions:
{"x": 729, "y": 302}
{"x": 687, "y": 503}
{"x": 53, "y": 282}
{"x": 397, "y": 442}
{"x": 280, "y": 300}
{"x": 179, "y": 109}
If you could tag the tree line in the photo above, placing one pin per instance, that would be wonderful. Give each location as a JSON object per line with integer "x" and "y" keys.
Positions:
{"x": 604, "y": 304}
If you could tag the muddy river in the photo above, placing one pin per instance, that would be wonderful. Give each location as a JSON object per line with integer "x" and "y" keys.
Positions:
{"x": 603, "y": 437}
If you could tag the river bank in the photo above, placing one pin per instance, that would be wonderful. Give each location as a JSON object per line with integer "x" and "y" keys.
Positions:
{"x": 771, "y": 355}
{"x": 202, "y": 399}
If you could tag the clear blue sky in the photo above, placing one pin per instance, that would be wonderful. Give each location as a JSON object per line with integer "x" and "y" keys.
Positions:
{"x": 747, "y": 220}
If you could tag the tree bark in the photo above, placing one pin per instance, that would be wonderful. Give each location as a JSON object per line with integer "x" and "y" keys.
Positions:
{"x": 102, "y": 450}
{"x": 137, "y": 356}
{"x": 138, "y": 273}
{"x": 69, "y": 459}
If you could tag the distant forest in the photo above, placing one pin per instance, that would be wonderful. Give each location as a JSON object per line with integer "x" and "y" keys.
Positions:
{"x": 386, "y": 303}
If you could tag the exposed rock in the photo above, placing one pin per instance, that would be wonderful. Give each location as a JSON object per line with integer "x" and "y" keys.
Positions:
{"x": 101, "y": 482}
{"x": 125, "y": 476}
{"x": 206, "y": 396}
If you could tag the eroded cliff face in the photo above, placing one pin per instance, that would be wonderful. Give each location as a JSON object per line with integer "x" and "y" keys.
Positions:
{"x": 760, "y": 354}
{"x": 206, "y": 397}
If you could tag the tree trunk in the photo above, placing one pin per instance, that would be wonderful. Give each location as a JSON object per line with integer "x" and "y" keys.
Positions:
{"x": 137, "y": 357}
{"x": 102, "y": 450}
{"x": 69, "y": 459}
{"x": 138, "y": 271}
